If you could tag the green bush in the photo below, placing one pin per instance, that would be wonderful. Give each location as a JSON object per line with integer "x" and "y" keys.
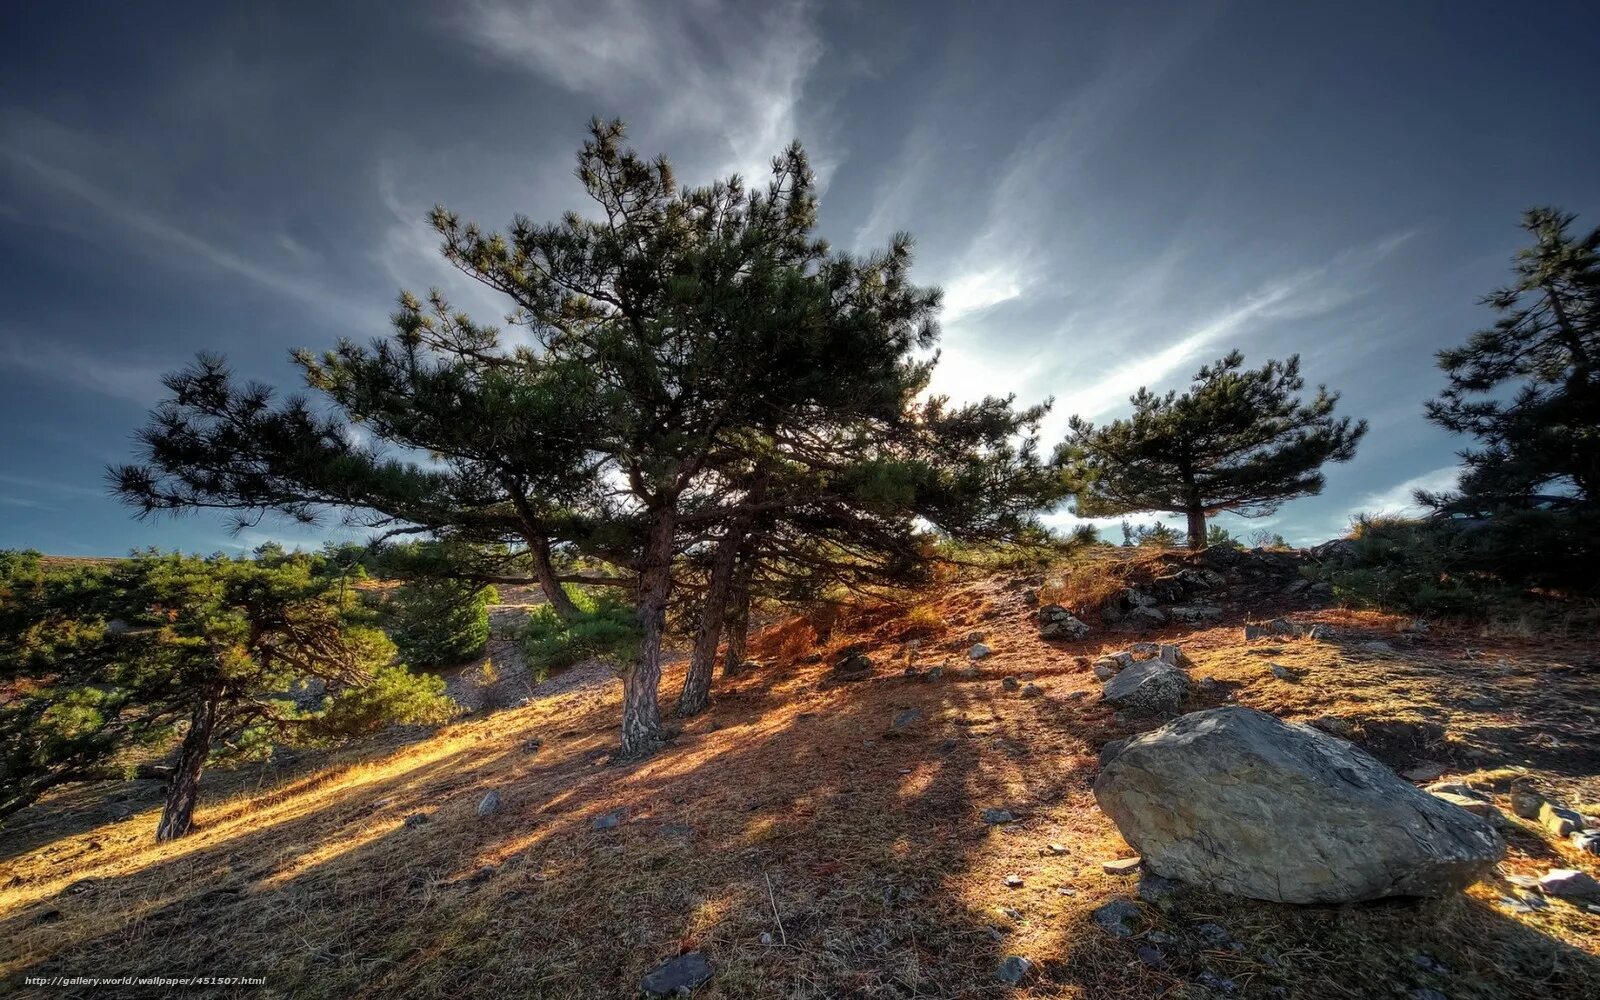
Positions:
{"x": 439, "y": 622}
{"x": 604, "y": 629}
{"x": 1457, "y": 566}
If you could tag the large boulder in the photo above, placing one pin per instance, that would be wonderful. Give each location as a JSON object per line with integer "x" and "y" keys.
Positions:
{"x": 1153, "y": 687}
{"x": 1237, "y": 800}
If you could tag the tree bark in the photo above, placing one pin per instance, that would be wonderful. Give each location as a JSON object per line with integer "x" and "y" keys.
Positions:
{"x": 696, "y": 694}
{"x": 738, "y": 627}
{"x": 177, "y": 817}
{"x": 545, "y": 571}
{"x": 641, "y": 714}
{"x": 1197, "y": 528}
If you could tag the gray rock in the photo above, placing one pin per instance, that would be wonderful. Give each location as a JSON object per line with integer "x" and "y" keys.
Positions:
{"x": 416, "y": 819}
{"x": 1115, "y": 917}
{"x": 1569, "y": 883}
{"x": 906, "y": 717}
{"x": 979, "y": 651}
{"x": 1106, "y": 668}
{"x": 934, "y": 673}
{"x": 1121, "y": 866}
{"x": 683, "y": 973}
{"x": 1141, "y": 618}
{"x": 489, "y": 804}
{"x": 1056, "y": 622}
{"x": 1010, "y": 683}
{"x": 1032, "y": 691}
{"x": 1525, "y": 800}
{"x": 1144, "y": 650}
{"x": 1155, "y": 889}
{"x": 1170, "y": 652}
{"x": 1149, "y": 688}
{"x": 853, "y": 666}
{"x": 1013, "y": 969}
{"x": 1587, "y": 841}
{"x": 1471, "y": 803}
{"x": 1240, "y": 801}
{"x": 1281, "y": 672}
{"x": 993, "y": 815}
{"x": 610, "y": 820}
{"x": 1195, "y": 614}
{"x": 1559, "y": 820}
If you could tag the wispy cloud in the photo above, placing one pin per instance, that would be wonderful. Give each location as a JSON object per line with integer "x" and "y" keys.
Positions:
{"x": 733, "y": 72}
{"x": 86, "y": 369}
{"x": 171, "y": 235}
{"x": 1399, "y": 500}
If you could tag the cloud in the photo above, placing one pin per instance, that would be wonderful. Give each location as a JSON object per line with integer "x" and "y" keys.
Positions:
{"x": 1398, "y": 500}
{"x": 977, "y": 291}
{"x": 733, "y": 71}
{"x": 91, "y": 370}
{"x": 152, "y": 227}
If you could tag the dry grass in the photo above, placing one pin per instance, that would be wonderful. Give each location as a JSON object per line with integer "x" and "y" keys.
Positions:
{"x": 886, "y": 880}
{"x": 1084, "y": 582}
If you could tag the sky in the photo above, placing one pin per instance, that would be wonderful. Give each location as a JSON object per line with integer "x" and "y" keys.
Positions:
{"x": 1110, "y": 195}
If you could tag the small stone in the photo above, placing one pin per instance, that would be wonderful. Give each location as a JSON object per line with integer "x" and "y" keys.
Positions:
{"x": 1055, "y": 848}
{"x": 1113, "y": 917}
{"x": 416, "y": 819}
{"x": 1013, "y": 969}
{"x": 1211, "y": 981}
{"x": 1559, "y": 820}
{"x": 1121, "y": 866}
{"x": 610, "y": 820}
{"x": 979, "y": 651}
{"x": 968, "y": 673}
{"x": 1214, "y": 936}
{"x": 996, "y": 816}
{"x": 1587, "y": 841}
{"x": 766, "y": 939}
{"x": 1013, "y": 881}
{"x": 682, "y": 973}
{"x": 906, "y": 717}
{"x": 1471, "y": 803}
{"x": 489, "y": 804}
{"x": 1151, "y": 957}
{"x": 974, "y": 637}
{"x": 1144, "y": 650}
{"x": 1011, "y": 684}
{"x": 933, "y": 674}
{"x": 1525, "y": 800}
{"x": 532, "y": 746}
{"x": 1066, "y": 890}
{"x": 1153, "y": 888}
{"x": 1457, "y": 788}
{"x": 1426, "y": 771}
{"x": 1569, "y": 883}
{"x": 1106, "y": 669}
{"x": 1281, "y": 672}
{"x": 1032, "y": 691}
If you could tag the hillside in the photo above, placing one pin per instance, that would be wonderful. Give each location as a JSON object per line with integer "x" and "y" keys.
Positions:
{"x": 822, "y": 839}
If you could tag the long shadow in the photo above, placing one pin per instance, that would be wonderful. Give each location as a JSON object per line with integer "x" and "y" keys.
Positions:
{"x": 851, "y": 833}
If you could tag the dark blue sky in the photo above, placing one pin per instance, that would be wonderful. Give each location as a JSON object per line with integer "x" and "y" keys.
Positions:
{"x": 1110, "y": 194}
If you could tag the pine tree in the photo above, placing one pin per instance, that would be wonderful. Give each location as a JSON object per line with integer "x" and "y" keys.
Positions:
{"x": 1239, "y": 440}
{"x": 1528, "y": 388}
{"x": 212, "y": 649}
{"x": 682, "y": 341}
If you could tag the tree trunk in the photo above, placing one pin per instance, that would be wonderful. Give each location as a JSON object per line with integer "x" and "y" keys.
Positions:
{"x": 641, "y": 715}
{"x": 545, "y": 571}
{"x": 1197, "y": 528}
{"x": 696, "y": 694}
{"x": 738, "y": 627}
{"x": 177, "y": 818}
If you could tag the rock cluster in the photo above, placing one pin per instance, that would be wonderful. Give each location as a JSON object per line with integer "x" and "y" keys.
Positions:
{"x": 1145, "y": 679}
{"x": 1056, "y": 622}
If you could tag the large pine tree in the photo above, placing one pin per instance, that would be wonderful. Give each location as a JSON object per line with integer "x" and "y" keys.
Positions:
{"x": 1528, "y": 387}
{"x": 684, "y": 343}
{"x": 1240, "y": 440}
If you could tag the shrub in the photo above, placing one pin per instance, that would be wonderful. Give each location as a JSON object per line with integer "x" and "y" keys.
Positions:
{"x": 439, "y": 622}
{"x": 1454, "y": 566}
{"x": 605, "y": 629}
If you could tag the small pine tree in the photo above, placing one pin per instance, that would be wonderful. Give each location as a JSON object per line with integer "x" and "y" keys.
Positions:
{"x": 1528, "y": 388}
{"x": 1239, "y": 440}
{"x": 205, "y": 650}
{"x": 436, "y": 622}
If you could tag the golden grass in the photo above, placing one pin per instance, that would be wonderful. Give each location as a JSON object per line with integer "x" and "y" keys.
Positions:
{"x": 885, "y": 878}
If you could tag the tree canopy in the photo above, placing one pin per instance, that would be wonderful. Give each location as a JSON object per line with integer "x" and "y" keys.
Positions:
{"x": 1240, "y": 440}
{"x": 233, "y": 654}
{"x": 1528, "y": 387}
{"x": 690, "y": 367}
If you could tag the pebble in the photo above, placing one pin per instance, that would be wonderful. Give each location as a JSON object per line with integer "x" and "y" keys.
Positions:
{"x": 1010, "y": 683}
{"x": 1013, "y": 969}
{"x": 1055, "y": 848}
{"x": 489, "y": 804}
{"x": 683, "y": 973}
{"x": 1121, "y": 866}
{"x": 610, "y": 820}
{"x": 1013, "y": 881}
{"x": 1113, "y": 917}
{"x": 993, "y": 815}
{"x": 1569, "y": 883}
